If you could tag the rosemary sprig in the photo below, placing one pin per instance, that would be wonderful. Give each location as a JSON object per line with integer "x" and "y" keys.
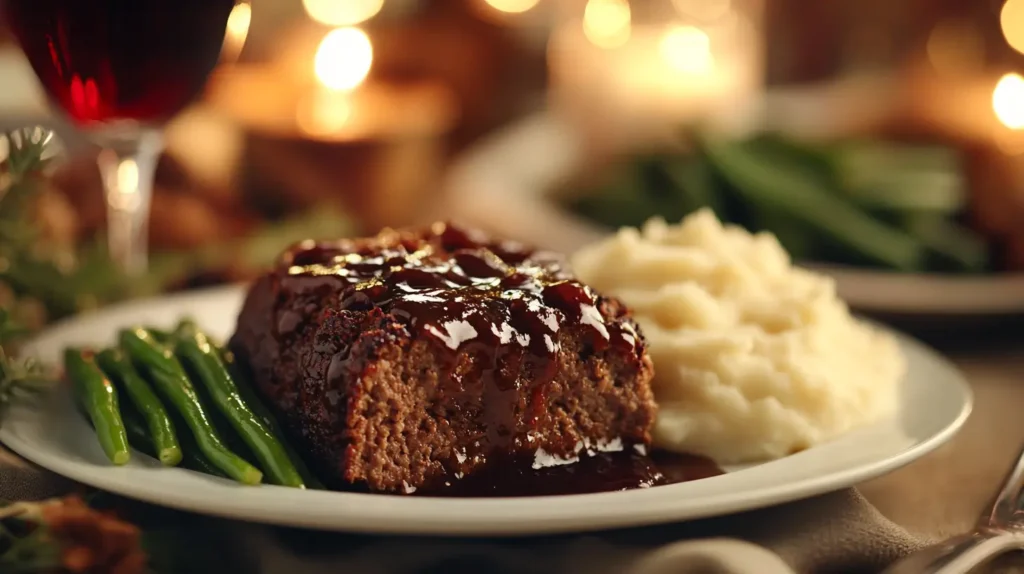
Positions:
{"x": 31, "y": 264}
{"x": 25, "y": 154}
{"x": 20, "y": 379}
{"x": 24, "y": 157}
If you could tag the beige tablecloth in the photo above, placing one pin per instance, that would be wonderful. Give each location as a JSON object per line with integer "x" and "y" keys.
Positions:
{"x": 852, "y": 530}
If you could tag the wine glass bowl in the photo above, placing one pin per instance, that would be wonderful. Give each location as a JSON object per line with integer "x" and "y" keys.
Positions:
{"x": 119, "y": 69}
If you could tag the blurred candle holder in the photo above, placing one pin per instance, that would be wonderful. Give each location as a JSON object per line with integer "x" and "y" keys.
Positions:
{"x": 319, "y": 127}
{"x": 625, "y": 72}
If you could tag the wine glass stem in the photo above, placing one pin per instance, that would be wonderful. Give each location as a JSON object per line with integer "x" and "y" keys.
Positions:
{"x": 128, "y": 165}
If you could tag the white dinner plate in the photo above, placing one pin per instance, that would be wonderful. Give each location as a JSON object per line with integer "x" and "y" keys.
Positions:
{"x": 504, "y": 184}
{"x": 935, "y": 401}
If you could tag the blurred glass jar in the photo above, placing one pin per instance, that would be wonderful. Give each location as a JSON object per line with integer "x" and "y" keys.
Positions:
{"x": 626, "y": 72}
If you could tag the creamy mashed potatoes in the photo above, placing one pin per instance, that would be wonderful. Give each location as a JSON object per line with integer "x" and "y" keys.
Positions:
{"x": 753, "y": 358}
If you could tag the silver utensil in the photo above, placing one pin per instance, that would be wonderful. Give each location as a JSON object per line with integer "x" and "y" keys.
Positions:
{"x": 1000, "y": 529}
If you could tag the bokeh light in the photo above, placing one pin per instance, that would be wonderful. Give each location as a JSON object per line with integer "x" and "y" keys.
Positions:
{"x": 687, "y": 49}
{"x": 1012, "y": 20}
{"x": 606, "y": 23}
{"x": 1008, "y": 101}
{"x": 344, "y": 58}
{"x": 342, "y": 12}
{"x": 237, "y": 30}
{"x": 512, "y": 6}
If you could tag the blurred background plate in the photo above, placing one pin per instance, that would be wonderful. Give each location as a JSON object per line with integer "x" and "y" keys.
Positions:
{"x": 504, "y": 185}
{"x": 885, "y": 292}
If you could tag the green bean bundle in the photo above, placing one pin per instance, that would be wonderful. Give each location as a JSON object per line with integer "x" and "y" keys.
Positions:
{"x": 118, "y": 367}
{"x": 169, "y": 377}
{"x": 204, "y": 359}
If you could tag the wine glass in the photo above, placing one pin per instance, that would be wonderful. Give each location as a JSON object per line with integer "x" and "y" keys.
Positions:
{"x": 120, "y": 69}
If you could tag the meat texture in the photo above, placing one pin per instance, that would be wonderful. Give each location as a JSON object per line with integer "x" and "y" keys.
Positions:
{"x": 409, "y": 360}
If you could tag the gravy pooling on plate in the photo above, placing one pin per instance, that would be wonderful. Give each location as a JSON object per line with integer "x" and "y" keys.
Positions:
{"x": 603, "y": 472}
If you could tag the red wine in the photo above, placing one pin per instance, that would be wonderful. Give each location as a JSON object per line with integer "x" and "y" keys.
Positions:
{"x": 105, "y": 60}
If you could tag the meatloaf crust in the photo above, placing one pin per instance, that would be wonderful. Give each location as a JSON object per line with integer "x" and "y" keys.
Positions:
{"x": 411, "y": 359}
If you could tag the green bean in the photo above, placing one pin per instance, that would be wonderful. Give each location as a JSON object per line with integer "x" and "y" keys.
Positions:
{"x": 99, "y": 397}
{"x": 192, "y": 458}
{"x": 119, "y": 368}
{"x": 162, "y": 336}
{"x": 245, "y": 389}
{"x": 138, "y": 438}
{"x": 187, "y": 326}
{"x": 170, "y": 380}
{"x": 195, "y": 349}
{"x": 220, "y": 422}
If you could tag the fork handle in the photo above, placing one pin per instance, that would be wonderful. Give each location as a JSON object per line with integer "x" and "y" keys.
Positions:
{"x": 959, "y": 555}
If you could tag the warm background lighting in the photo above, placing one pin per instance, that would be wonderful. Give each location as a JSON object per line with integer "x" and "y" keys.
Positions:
{"x": 606, "y": 23}
{"x": 687, "y": 49}
{"x": 955, "y": 47}
{"x": 512, "y": 6}
{"x": 239, "y": 20}
{"x": 704, "y": 11}
{"x": 344, "y": 58}
{"x": 1008, "y": 101}
{"x": 343, "y": 12}
{"x": 237, "y": 30}
{"x": 1012, "y": 21}
{"x": 323, "y": 114}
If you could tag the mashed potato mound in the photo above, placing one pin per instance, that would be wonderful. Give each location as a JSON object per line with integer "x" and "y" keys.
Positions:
{"x": 753, "y": 358}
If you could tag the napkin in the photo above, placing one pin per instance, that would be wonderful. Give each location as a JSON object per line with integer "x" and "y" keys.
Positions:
{"x": 836, "y": 532}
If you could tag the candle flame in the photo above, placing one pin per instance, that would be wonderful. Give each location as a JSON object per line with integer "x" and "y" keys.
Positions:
{"x": 512, "y": 6}
{"x": 127, "y": 177}
{"x": 344, "y": 58}
{"x": 237, "y": 30}
{"x": 606, "y": 23}
{"x": 1011, "y": 18}
{"x": 239, "y": 20}
{"x": 687, "y": 49}
{"x": 1008, "y": 101}
{"x": 342, "y": 12}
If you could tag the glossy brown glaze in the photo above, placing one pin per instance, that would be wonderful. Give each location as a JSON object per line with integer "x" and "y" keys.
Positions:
{"x": 602, "y": 472}
{"x": 499, "y": 300}
{"x": 459, "y": 288}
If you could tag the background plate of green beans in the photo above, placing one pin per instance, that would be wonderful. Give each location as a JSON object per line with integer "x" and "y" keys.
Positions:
{"x": 907, "y": 253}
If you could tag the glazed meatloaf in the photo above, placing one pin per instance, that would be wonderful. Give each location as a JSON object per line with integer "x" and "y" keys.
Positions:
{"x": 414, "y": 358}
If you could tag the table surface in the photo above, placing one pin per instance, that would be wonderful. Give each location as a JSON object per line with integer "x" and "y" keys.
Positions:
{"x": 943, "y": 493}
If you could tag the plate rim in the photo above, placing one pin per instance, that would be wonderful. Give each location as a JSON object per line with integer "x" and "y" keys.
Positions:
{"x": 656, "y": 506}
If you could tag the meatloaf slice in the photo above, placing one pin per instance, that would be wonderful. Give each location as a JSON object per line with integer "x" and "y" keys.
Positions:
{"x": 409, "y": 360}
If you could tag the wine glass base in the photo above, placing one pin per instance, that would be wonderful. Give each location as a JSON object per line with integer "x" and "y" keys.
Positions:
{"x": 127, "y": 165}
